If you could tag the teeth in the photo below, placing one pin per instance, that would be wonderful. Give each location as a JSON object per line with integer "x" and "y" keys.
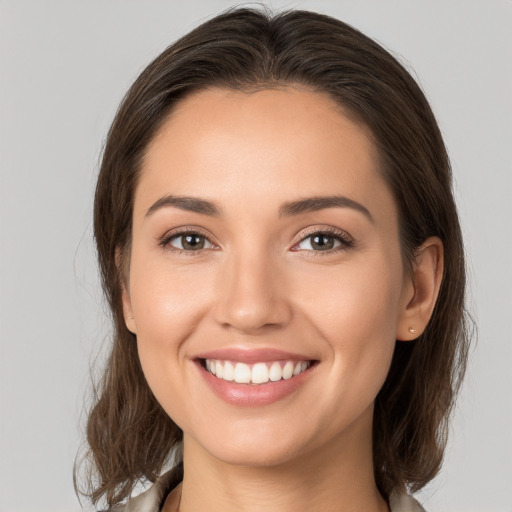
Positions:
{"x": 259, "y": 373}
{"x": 288, "y": 370}
{"x": 275, "y": 372}
{"x": 229, "y": 371}
{"x": 242, "y": 373}
{"x": 219, "y": 369}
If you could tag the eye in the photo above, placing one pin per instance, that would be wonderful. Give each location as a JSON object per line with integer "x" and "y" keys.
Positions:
{"x": 324, "y": 241}
{"x": 188, "y": 241}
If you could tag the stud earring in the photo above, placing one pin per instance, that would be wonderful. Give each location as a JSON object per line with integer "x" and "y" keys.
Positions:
{"x": 412, "y": 331}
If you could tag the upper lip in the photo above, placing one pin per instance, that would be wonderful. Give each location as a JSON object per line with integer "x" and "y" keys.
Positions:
{"x": 253, "y": 355}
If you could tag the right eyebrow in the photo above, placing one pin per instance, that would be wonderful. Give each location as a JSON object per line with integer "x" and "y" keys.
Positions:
{"x": 187, "y": 203}
{"x": 314, "y": 204}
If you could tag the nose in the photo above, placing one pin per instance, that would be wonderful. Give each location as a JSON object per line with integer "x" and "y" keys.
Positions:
{"x": 252, "y": 294}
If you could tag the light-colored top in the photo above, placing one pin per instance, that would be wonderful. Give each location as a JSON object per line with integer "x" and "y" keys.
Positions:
{"x": 152, "y": 500}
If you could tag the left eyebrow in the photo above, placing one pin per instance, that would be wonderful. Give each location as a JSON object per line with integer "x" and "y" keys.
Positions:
{"x": 313, "y": 204}
{"x": 187, "y": 203}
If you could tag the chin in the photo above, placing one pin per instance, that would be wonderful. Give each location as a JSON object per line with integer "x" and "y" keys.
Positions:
{"x": 254, "y": 456}
{"x": 253, "y": 448}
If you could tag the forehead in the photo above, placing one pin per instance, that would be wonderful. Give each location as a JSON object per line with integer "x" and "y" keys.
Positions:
{"x": 277, "y": 144}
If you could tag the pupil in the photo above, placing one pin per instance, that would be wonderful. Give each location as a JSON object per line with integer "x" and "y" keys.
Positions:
{"x": 193, "y": 242}
{"x": 323, "y": 242}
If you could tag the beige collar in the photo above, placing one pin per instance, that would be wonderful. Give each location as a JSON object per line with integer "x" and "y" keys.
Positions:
{"x": 152, "y": 500}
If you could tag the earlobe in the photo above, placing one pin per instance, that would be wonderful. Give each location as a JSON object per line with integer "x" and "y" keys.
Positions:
{"x": 128, "y": 311}
{"x": 125, "y": 295}
{"x": 419, "y": 301}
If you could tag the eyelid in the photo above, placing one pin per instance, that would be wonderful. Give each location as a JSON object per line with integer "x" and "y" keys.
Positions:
{"x": 345, "y": 238}
{"x": 164, "y": 241}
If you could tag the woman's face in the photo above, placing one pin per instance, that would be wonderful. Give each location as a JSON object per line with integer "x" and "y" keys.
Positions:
{"x": 265, "y": 249}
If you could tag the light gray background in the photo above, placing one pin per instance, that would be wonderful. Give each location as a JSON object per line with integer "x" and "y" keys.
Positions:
{"x": 64, "y": 66}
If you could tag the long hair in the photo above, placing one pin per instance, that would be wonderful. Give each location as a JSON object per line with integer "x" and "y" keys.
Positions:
{"x": 130, "y": 436}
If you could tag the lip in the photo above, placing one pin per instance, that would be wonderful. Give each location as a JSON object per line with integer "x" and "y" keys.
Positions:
{"x": 251, "y": 356}
{"x": 251, "y": 395}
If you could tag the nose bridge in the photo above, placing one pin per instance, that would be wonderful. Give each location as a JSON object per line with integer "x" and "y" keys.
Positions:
{"x": 251, "y": 295}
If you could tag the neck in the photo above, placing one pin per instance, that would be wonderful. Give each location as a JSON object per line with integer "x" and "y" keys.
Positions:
{"x": 331, "y": 478}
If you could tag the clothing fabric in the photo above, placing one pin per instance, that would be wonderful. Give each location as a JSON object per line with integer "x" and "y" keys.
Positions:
{"x": 153, "y": 499}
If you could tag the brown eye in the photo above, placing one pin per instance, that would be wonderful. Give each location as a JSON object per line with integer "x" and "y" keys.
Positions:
{"x": 323, "y": 242}
{"x": 190, "y": 242}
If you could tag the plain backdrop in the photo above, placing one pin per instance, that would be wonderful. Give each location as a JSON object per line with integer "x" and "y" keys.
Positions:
{"x": 64, "y": 67}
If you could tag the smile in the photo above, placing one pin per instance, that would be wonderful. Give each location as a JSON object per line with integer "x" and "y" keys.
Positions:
{"x": 258, "y": 373}
{"x": 255, "y": 377}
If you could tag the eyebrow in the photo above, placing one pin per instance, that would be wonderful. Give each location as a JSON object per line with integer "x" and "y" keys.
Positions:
{"x": 313, "y": 204}
{"x": 301, "y": 206}
{"x": 190, "y": 204}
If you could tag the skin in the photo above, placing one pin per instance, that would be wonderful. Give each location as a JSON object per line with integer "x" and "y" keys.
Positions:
{"x": 260, "y": 283}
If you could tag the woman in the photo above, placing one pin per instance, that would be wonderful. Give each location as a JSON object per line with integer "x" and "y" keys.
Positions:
{"x": 281, "y": 252}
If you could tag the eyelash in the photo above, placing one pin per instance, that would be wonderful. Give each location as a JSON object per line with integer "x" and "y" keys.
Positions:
{"x": 346, "y": 242}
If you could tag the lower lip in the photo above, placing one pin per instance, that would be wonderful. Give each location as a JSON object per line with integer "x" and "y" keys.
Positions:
{"x": 252, "y": 395}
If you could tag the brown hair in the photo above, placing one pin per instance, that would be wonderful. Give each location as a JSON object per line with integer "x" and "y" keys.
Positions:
{"x": 129, "y": 434}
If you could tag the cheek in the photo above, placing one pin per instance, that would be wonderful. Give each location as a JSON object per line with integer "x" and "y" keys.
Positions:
{"x": 166, "y": 298}
{"x": 353, "y": 301}
{"x": 356, "y": 315}
{"x": 168, "y": 303}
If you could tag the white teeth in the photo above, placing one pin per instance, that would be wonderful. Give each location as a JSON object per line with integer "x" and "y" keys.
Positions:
{"x": 242, "y": 373}
{"x": 219, "y": 369}
{"x": 259, "y": 373}
{"x": 229, "y": 371}
{"x": 288, "y": 370}
{"x": 275, "y": 373}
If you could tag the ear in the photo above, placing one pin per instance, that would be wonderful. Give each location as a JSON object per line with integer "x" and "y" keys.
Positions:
{"x": 127, "y": 310}
{"x": 125, "y": 293}
{"x": 421, "y": 290}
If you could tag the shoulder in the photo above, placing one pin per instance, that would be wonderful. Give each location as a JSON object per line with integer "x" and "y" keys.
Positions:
{"x": 152, "y": 499}
{"x": 399, "y": 502}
